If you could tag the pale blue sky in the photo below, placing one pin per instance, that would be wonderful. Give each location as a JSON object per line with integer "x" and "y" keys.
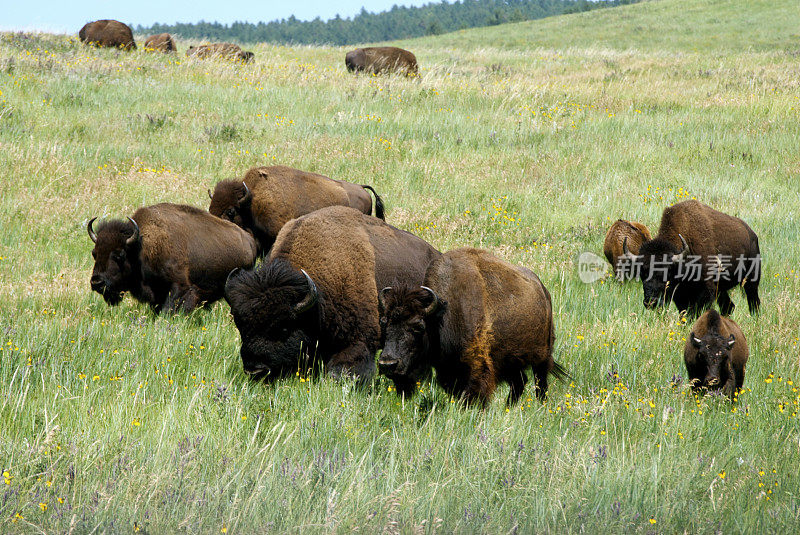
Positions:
{"x": 68, "y": 16}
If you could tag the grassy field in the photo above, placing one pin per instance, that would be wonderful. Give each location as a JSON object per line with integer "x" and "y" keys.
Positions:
{"x": 527, "y": 139}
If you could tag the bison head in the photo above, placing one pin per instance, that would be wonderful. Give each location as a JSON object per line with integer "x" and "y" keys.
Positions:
{"x": 274, "y": 309}
{"x": 231, "y": 201}
{"x": 407, "y": 317}
{"x": 245, "y": 56}
{"x": 116, "y": 258}
{"x": 658, "y": 261}
{"x": 714, "y": 351}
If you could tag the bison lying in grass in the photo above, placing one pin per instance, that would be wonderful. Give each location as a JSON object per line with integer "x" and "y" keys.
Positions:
{"x": 270, "y": 196}
{"x": 220, "y": 50}
{"x": 170, "y": 256}
{"x": 161, "y": 42}
{"x": 477, "y": 321}
{"x": 108, "y": 33}
{"x": 315, "y": 299}
{"x": 381, "y": 59}
{"x": 716, "y": 354}
{"x": 698, "y": 255}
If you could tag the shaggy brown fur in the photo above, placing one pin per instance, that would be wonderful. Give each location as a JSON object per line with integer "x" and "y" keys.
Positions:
{"x": 381, "y": 59}
{"x": 716, "y": 354}
{"x": 110, "y": 33}
{"x": 348, "y": 255}
{"x": 179, "y": 261}
{"x": 220, "y": 50}
{"x": 707, "y": 233}
{"x": 635, "y": 232}
{"x": 281, "y": 193}
{"x": 486, "y": 322}
{"x": 161, "y": 42}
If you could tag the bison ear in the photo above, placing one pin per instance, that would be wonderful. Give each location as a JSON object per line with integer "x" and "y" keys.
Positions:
{"x": 731, "y": 341}
{"x": 695, "y": 340}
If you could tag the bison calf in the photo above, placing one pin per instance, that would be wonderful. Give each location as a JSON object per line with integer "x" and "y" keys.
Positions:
{"x": 716, "y": 354}
{"x": 108, "y": 33}
{"x": 381, "y": 59}
{"x": 270, "y": 196}
{"x": 632, "y": 233}
{"x": 169, "y": 256}
{"x": 477, "y": 321}
{"x": 317, "y": 293}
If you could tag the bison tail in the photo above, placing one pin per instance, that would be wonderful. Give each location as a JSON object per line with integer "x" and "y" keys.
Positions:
{"x": 559, "y": 372}
{"x": 379, "y": 208}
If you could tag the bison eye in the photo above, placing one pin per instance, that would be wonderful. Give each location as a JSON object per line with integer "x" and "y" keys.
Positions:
{"x": 230, "y": 213}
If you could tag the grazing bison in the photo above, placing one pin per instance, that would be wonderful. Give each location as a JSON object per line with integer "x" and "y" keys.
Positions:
{"x": 717, "y": 252}
{"x": 381, "y": 59}
{"x": 110, "y": 33}
{"x": 221, "y": 50}
{"x": 635, "y": 233}
{"x": 716, "y": 354}
{"x": 316, "y": 294}
{"x": 477, "y": 321}
{"x": 169, "y": 256}
{"x": 270, "y": 196}
{"x": 161, "y": 42}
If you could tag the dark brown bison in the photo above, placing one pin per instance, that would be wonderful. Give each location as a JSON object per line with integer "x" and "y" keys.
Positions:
{"x": 110, "y": 33}
{"x": 161, "y": 42}
{"x": 716, "y": 354}
{"x": 315, "y": 299}
{"x": 220, "y": 50}
{"x": 635, "y": 233}
{"x": 477, "y": 321}
{"x": 169, "y": 256}
{"x": 381, "y": 59}
{"x": 270, "y": 196}
{"x": 698, "y": 255}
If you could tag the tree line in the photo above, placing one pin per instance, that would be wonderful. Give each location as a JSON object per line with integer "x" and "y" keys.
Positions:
{"x": 397, "y": 23}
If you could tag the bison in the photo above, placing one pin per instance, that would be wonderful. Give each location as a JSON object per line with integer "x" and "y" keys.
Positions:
{"x": 109, "y": 33}
{"x": 381, "y": 59}
{"x": 270, "y": 196}
{"x": 476, "y": 320}
{"x": 170, "y": 256}
{"x": 698, "y": 255}
{"x": 635, "y": 233}
{"x": 315, "y": 300}
{"x": 221, "y": 50}
{"x": 161, "y": 42}
{"x": 716, "y": 354}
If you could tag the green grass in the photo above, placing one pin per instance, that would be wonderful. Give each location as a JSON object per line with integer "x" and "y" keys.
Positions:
{"x": 112, "y": 419}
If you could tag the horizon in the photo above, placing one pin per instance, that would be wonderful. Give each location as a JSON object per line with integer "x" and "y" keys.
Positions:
{"x": 57, "y": 18}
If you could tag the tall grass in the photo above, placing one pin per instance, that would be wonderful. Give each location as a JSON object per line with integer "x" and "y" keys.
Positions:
{"x": 113, "y": 420}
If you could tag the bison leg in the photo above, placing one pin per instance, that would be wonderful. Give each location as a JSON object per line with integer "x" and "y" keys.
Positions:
{"x": 726, "y": 306}
{"x": 182, "y": 297}
{"x": 540, "y": 373}
{"x": 517, "y": 383}
{"x": 356, "y": 359}
{"x": 751, "y": 291}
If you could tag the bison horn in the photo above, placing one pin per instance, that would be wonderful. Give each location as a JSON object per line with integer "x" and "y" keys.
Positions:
{"x": 91, "y": 231}
{"x": 210, "y": 195}
{"x": 381, "y": 294}
{"x": 310, "y": 298}
{"x": 678, "y": 257}
{"x": 626, "y": 253}
{"x": 248, "y": 195}
{"x": 135, "y": 236}
{"x": 232, "y": 274}
{"x": 434, "y": 304}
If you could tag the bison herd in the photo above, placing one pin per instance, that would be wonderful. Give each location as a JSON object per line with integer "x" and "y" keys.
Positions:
{"x": 115, "y": 34}
{"x": 315, "y": 281}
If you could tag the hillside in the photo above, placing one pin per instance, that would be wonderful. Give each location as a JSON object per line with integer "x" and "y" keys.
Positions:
{"x": 115, "y": 420}
{"x": 654, "y": 25}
